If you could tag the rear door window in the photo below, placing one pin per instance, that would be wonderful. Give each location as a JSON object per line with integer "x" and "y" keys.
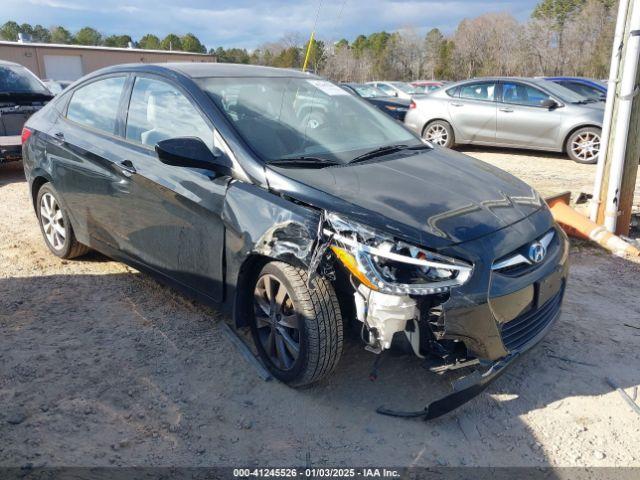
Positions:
{"x": 479, "y": 91}
{"x": 159, "y": 111}
{"x": 96, "y": 104}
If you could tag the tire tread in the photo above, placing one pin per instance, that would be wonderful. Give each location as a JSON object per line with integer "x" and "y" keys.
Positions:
{"x": 323, "y": 321}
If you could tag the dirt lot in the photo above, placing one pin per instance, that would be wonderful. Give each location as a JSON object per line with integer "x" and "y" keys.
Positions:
{"x": 100, "y": 365}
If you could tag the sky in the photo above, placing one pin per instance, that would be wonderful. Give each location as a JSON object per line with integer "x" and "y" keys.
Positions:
{"x": 247, "y": 24}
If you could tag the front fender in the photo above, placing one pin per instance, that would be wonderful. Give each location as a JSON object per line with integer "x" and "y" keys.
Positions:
{"x": 261, "y": 224}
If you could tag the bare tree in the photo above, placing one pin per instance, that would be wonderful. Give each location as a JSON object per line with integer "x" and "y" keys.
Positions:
{"x": 407, "y": 54}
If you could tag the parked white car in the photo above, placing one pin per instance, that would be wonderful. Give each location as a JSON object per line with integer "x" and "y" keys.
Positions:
{"x": 396, "y": 89}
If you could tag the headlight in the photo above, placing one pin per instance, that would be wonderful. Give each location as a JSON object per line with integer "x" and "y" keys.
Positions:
{"x": 390, "y": 266}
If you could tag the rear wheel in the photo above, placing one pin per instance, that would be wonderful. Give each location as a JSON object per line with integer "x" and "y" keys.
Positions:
{"x": 583, "y": 145}
{"x": 55, "y": 226}
{"x": 297, "y": 330}
{"x": 439, "y": 132}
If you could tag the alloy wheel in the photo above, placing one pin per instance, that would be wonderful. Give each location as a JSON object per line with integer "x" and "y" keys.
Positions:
{"x": 277, "y": 323}
{"x": 586, "y": 146}
{"x": 52, "y": 221}
{"x": 437, "y": 134}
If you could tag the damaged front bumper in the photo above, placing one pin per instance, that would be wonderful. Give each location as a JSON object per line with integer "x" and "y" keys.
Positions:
{"x": 464, "y": 389}
{"x": 468, "y": 387}
{"x": 489, "y": 319}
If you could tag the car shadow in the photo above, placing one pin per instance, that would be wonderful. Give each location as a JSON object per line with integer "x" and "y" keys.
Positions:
{"x": 11, "y": 172}
{"x": 141, "y": 358}
{"x": 473, "y": 149}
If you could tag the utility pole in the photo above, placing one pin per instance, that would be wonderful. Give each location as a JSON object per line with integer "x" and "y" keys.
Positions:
{"x": 620, "y": 144}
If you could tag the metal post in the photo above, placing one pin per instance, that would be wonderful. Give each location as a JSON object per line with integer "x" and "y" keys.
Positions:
{"x": 621, "y": 162}
{"x": 612, "y": 85}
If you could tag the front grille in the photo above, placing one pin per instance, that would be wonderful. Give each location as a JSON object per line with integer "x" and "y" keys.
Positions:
{"x": 517, "y": 262}
{"x": 521, "y": 330}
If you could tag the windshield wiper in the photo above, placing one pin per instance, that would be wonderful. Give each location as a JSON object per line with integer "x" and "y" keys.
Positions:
{"x": 303, "y": 162}
{"x": 379, "y": 152}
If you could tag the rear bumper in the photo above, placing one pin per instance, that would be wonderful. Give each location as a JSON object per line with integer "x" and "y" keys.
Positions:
{"x": 10, "y": 148}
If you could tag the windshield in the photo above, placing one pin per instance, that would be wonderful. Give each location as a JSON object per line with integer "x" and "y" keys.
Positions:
{"x": 17, "y": 79}
{"x": 405, "y": 87}
{"x": 585, "y": 90}
{"x": 562, "y": 93}
{"x": 292, "y": 118}
{"x": 369, "y": 91}
{"x": 54, "y": 87}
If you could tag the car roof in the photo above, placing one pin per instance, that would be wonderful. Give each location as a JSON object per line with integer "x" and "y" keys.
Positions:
{"x": 535, "y": 81}
{"x": 13, "y": 64}
{"x": 583, "y": 80}
{"x": 210, "y": 69}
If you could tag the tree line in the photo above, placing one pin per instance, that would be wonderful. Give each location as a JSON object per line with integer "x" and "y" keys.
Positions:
{"x": 90, "y": 36}
{"x": 562, "y": 37}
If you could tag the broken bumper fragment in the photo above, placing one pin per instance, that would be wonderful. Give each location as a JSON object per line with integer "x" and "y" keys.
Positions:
{"x": 464, "y": 390}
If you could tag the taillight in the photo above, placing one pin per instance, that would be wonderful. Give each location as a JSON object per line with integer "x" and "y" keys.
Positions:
{"x": 412, "y": 104}
{"x": 26, "y": 133}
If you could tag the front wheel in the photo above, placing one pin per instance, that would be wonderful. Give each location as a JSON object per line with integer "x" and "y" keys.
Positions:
{"x": 439, "y": 133}
{"x": 297, "y": 330}
{"x": 583, "y": 145}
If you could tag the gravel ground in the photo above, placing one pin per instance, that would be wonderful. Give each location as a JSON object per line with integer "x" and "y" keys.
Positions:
{"x": 100, "y": 365}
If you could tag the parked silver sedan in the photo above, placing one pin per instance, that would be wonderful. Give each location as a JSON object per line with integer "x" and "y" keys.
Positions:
{"x": 510, "y": 112}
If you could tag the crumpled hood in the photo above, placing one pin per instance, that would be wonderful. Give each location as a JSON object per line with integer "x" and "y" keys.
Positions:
{"x": 445, "y": 195}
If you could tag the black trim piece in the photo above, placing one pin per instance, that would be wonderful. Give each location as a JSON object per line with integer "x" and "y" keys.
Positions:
{"x": 464, "y": 390}
{"x": 519, "y": 331}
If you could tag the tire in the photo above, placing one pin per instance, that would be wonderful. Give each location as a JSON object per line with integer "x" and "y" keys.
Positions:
{"x": 316, "y": 314}
{"x": 439, "y": 132}
{"x": 583, "y": 145}
{"x": 55, "y": 226}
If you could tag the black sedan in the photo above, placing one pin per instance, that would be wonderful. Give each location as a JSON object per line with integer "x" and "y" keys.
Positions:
{"x": 21, "y": 94}
{"x": 396, "y": 107}
{"x": 298, "y": 208}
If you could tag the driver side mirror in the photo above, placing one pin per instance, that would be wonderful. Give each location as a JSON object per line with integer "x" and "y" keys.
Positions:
{"x": 192, "y": 152}
{"x": 549, "y": 103}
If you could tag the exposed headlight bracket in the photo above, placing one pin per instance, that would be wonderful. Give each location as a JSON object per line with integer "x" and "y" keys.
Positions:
{"x": 390, "y": 266}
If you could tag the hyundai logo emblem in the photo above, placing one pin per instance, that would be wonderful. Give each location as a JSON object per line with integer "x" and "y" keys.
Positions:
{"x": 537, "y": 252}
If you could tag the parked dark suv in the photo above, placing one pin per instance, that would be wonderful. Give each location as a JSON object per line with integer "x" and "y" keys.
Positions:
{"x": 219, "y": 180}
{"x": 21, "y": 94}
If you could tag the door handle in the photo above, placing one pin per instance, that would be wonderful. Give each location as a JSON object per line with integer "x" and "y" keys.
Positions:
{"x": 457, "y": 104}
{"x": 127, "y": 168}
{"x": 506, "y": 110}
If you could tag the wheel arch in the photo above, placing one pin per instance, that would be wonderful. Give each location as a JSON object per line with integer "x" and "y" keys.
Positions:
{"x": 247, "y": 276}
{"x": 440, "y": 119}
{"x": 36, "y": 184}
{"x": 574, "y": 129}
